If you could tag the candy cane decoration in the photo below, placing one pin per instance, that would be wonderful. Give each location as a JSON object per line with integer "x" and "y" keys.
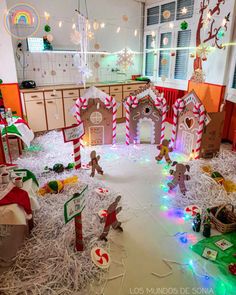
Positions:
{"x": 100, "y": 257}
{"x": 111, "y": 102}
{"x": 80, "y": 103}
{"x": 131, "y": 101}
{"x": 77, "y": 155}
{"x": 177, "y": 107}
{"x": 160, "y": 102}
{"x": 199, "y": 112}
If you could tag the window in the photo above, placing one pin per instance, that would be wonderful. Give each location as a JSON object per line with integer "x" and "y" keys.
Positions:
{"x": 181, "y": 6}
{"x": 164, "y": 60}
{"x": 149, "y": 56}
{"x": 182, "y": 55}
{"x": 153, "y": 15}
{"x": 168, "y": 12}
{"x": 234, "y": 79}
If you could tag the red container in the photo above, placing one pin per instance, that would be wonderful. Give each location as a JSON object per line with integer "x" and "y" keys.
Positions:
{"x": 133, "y": 77}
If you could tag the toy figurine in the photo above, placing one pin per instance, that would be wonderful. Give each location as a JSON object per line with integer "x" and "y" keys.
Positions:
{"x": 179, "y": 176}
{"x": 197, "y": 223}
{"x": 59, "y": 168}
{"x": 94, "y": 164}
{"x": 111, "y": 220}
{"x": 56, "y": 186}
{"x": 164, "y": 151}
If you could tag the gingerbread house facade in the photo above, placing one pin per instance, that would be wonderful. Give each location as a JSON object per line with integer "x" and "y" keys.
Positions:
{"x": 145, "y": 106}
{"x": 194, "y": 130}
{"x": 97, "y": 110}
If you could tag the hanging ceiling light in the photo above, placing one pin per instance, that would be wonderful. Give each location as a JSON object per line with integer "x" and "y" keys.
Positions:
{"x": 102, "y": 25}
{"x": 95, "y": 25}
{"x": 135, "y": 32}
{"x": 60, "y": 24}
{"x": 46, "y": 15}
{"x": 118, "y": 30}
{"x": 171, "y": 25}
{"x": 73, "y": 26}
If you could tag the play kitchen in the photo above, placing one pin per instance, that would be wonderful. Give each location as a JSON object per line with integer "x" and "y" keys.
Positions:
{"x": 49, "y": 107}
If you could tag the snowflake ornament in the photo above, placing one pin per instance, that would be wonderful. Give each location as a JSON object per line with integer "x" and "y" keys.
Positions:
{"x": 125, "y": 58}
{"x": 203, "y": 50}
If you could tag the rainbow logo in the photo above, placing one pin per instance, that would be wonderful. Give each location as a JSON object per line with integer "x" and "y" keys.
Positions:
{"x": 22, "y": 17}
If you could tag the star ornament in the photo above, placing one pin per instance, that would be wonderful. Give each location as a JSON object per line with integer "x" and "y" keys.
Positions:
{"x": 203, "y": 50}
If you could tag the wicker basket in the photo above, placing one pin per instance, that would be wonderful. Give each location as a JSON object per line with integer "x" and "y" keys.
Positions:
{"x": 228, "y": 215}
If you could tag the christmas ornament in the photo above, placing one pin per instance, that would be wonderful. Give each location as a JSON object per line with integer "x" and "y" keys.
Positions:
{"x": 90, "y": 35}
{"x": 50, "y": 37}
{"x": 97, "y": 46}
{"x": 100, "y": 257}
{"x": 221, "y": 33}
{"x": 75, "y": 37}
{"x": 125, "y": 58}
{"x": 166, "y": 14}
{"x": 47, "y": 28}
{"x": 192, "y": 55}
{"x": 125, "y": 18}
{"x": 172, "y": 54}
{"x": 164, "y": 61}
{"x": 184, "y": 25}
{"x": 203, "y": 50}
{"x": 165, "y": 41}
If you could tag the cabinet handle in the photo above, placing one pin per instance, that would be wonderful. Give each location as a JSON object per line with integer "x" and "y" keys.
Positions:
{"x": 116, "y": 89}
{"x": 49, "y": 101}
{"x": 53, "y": 95}
{"x": 74, "y": 99}
{"x": 71, "y": 93}
{"x": 128, "y": 87}
{"x": 39, "y": 102}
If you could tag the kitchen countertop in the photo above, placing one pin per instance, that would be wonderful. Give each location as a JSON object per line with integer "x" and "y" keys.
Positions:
{"x": 73, "y": 86}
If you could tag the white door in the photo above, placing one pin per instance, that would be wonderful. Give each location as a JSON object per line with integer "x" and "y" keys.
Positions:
{"x": 187, "y": 142}
{"x": 145, "y": 131}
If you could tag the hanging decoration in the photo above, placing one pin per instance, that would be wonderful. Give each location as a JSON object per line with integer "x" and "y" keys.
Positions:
{"x": 47, "y": 28}
{"x": 202, "y": 51}
{"x": 166, "y": 14}
{"x": 80, "y": 59}
{"x": 184, "y": 25}
{"x": 165, "y": 41}
{"x": 75, "y": 37}
{"x": 198, "y": 76}
{"x": 221, "y": 33}
{"x": 125, "y": 58}
{"x": 164, "y": 61}
{"x": 96, "y": 46}
{"x": 125, "y": 18}
{"x": 95, "y": 25}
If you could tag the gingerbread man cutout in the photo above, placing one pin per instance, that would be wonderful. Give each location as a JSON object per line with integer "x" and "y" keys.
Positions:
{"x": 164, "y": 151}
{"x": 179, "y": 177}
{"x": 94, "y": 164}
{"x": 111, "y": 220}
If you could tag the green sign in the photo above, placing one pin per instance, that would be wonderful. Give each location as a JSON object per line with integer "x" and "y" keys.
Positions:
{"x": 75, "y": 205}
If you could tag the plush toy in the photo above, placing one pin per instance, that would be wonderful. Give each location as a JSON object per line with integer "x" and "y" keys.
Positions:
{"x": 94, "y": 164}
{"x": 59, "y": 168}
{"x": 111, "y": 220}
{"x": 164, "y": 151}
{"x": 179, "y": 176}
{"x": 56, "y": 186}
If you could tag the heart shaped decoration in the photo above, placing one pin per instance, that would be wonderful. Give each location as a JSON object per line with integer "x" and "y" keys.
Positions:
{"x": 189, "y": 122}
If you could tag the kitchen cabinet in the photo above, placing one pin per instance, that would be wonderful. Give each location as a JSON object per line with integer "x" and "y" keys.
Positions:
{"x": 54, "y": 111}
{"x": 36, "y": 116}
{"x": 69, "y": 102}
{"x": 118, "y": 96}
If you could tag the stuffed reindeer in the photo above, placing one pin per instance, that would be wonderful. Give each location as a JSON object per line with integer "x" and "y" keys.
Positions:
{"x": 179, "y": 176}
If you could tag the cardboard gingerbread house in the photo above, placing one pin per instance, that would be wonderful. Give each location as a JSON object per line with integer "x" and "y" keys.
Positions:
{"x": 194, "y": 130}
{"x": 97, "y": 110}
{"x": 145, "y": 105}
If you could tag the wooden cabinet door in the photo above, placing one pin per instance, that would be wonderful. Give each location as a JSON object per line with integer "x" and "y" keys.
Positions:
{"x": 54, "y": 110}
{"x": 118, "y": 96}
{"x": 68, "y": 104}
{"x": 36, "y": 117}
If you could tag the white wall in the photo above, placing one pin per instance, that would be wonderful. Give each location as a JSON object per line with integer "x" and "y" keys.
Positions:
{"x": 7, "y": 61}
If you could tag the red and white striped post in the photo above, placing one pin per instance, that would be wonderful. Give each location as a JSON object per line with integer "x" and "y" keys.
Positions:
{"x": 177, "y": 107}
{"x": 199, "y": 112}
{"x": 77, "y": 156}
{"x": 111, "y": 102}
